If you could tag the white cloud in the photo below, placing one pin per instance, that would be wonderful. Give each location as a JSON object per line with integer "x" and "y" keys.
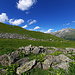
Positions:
{"x": 25, "y": 26}
{"x": 27, "y": 12}
{"x": 48, "y": 31}
{"x": 34, "y": 21}
{"x": 16, "y": 22}
{"x": 3, "y": 17}
{"x": 37, "y": 27}
{"x": 68, "y": 24}
{"x": 25, "y": 4}
{"x": 73, "y": 21}
{"x": 29, "y": 20}
{"x": 41, "y": 30}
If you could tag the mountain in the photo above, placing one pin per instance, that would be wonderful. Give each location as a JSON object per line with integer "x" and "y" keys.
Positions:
{"x": 4, "y": 28}
{"x": 67, "y": 33}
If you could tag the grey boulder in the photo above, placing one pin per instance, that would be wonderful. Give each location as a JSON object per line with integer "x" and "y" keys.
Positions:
{"x": 25, "y": 67}
{"x": 22, "y": 61}
{"x": 64, "y": 65}
{"x": 4, "y": 60}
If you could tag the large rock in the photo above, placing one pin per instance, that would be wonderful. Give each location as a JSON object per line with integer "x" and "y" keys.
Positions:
{"x": 70, "y": 50}
{"x": 36, "y": 50}
{"x": 4, "y": 60}
{"x": 51, "y": 57}
{"x": 13, "y": 57}
{"x": 22, "y": 61}
{"x": 25, "y": 67}
{"x": 49, "y": 60}
{"x": 21, "y": 49}
{"x": 43, "y": 50}
{"x": 47, "y": 64}
{"x": 62, "y": 58}
{"x": 64, "y": 65}
{"x": 26, "y": 50}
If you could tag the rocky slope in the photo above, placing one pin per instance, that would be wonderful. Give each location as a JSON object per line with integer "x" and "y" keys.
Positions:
{"x": 55, "y": 58}
{"x": 9, "y": 31}
{"x": 67, "y": 33}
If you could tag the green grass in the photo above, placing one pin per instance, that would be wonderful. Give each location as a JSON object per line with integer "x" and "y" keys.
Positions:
{"x": 9, "y": 45}
{"x": 56, "y": 53}
{"x": 37, "y": 71}
{"x": 4, "y": 28}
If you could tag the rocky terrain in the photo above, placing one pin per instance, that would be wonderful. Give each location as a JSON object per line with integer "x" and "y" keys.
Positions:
{"x": 67, "y": 33}
{"x": 18, "y": 36}
{"x": 52, "y": 57}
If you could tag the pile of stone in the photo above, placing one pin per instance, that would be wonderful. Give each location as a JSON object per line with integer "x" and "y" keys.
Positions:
{"x": 19, "y": 36}
{"x": 33, "y": 49}
{"x": 12, "y": 36}
{"x": 56, "y": 62}
{"x": 14, "y": 56}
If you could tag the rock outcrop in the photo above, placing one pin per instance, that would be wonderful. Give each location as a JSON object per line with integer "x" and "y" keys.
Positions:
{"x": 56, "y": 62}
{"x": 32, "y": 49}
{"x": 25, "y": 67}
{"x": 4, "y": 60}
{"x": 22, "y": 61}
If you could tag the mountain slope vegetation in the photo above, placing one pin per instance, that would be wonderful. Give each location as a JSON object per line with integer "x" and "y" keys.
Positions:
{"x": 4, "y": 28}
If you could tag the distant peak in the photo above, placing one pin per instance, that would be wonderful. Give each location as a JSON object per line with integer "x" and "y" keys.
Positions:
{"x": 65, "y": 29}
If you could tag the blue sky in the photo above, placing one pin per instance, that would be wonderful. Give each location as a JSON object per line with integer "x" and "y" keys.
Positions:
{"x": 38, "y": 15}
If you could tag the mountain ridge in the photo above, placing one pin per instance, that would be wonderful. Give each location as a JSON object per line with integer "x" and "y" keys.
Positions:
{"x": 67, "y": 33}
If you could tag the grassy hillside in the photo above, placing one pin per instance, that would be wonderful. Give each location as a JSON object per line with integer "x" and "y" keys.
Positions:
{"x": 4, "y": 28}
{"x": 9, "y": 45}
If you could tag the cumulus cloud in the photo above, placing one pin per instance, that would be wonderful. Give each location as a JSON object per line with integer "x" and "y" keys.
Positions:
{"x": 37, "y": 27}
{"x": 25, "y": 4}
{"x": 68, "y": 24}
{"x": 25, "y": 26}
{"x": 48, "y": 31}
{"x": 16, "y": 22}
{"x": 34, "y": 21}
{"x": 3, "y": 17}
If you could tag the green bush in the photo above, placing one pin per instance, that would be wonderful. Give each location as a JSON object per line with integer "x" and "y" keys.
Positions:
{"x": 56, "y": 53}
{"x": 72, "y": 68}
{"x": 11, "y": 70}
